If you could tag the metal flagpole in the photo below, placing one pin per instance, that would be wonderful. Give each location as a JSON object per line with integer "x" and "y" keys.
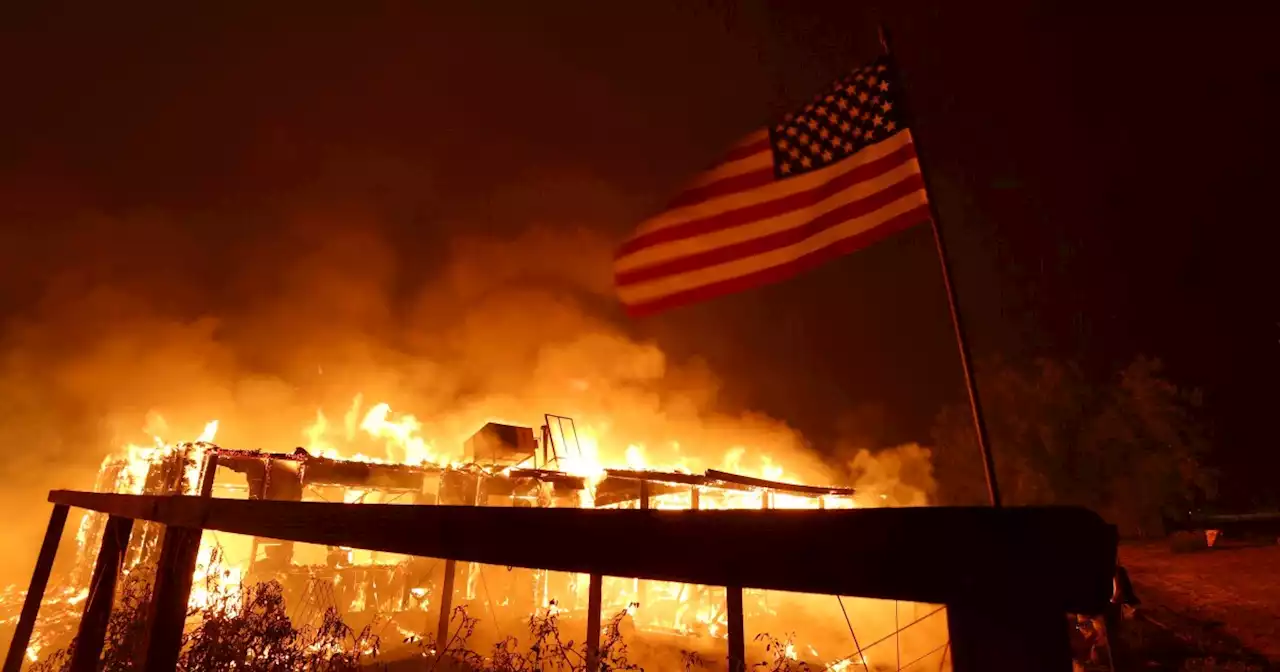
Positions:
{"x": 966, "y": 360}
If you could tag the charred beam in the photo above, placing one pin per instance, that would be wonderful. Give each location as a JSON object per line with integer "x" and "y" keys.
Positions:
{"x": 173, "y": 592}
{"x": 737, "y": 634}
{"x": 1061, "y": 558}
{"x": 446, "y": 607}
{"x": 35, "y": 593}
{"x": 612, "y": 491}
{"x": 779, "y": 486}
{"x": 102, "y": 591}
{"x": 658, "y": 476}
{"x": 595, "y": 603}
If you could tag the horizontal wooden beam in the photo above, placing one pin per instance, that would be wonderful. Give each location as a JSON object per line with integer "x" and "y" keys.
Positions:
{"x": 1059, "y": 558}
{"x": 714, "y": 478}
{"x": 814, "y": 490}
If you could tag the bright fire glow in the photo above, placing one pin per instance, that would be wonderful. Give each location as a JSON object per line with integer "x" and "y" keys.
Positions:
{"x": 584, "y": 450}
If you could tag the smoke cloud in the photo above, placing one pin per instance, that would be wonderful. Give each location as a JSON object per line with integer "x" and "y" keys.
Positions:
{"x": 124, "y": 321}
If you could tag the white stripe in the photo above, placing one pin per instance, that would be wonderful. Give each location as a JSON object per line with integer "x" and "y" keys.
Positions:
{"x": 778, "y": 189}
{"x": 675, "y": 249}
{"x": 762, "y": 160}
{"x": 673, "y": 284}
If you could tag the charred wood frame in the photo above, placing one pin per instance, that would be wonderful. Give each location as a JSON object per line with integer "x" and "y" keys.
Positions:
{"x": 1008, "y": 579}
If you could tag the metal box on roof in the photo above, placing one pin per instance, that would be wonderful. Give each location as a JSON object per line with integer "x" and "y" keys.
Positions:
{"x": 503, "y": 444}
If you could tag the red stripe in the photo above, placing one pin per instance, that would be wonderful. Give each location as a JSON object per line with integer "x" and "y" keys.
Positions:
{"x": 778, "y": 206}
{"x": 723, "y": 187}
{"x": 773, "y": 241}
{"x": 783, "y": 271}
{"x": 744, "y": 151}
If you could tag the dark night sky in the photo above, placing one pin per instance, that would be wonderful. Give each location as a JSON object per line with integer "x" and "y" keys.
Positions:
{"x": 1101, "y": 174}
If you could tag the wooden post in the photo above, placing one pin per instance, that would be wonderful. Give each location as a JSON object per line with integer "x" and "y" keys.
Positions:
{"x": 446, "y": 606}
{"x": 1008, "y": 638}
{"x": 642, "y": 586}
{"x": 102, "y": 592}
{"x": 35, "y": 592}
{"x": 174, "y": 574}
{"x": 210, "y": 472}
{"x": 172, "y": 593}
{"x": 595, "y": 604}
{"x": 766, "y": 502}
{"x": 737, "y": 635}
{"x": 695, "y": 591}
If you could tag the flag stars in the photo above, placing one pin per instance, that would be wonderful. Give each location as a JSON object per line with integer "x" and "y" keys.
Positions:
{"x": 855, "y": 112}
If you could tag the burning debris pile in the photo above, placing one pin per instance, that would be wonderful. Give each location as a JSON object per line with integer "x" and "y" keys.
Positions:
{"x": 401, "y": 597}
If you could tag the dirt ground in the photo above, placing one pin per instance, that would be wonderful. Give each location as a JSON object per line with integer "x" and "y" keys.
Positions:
{"x": 1219, "y": 604}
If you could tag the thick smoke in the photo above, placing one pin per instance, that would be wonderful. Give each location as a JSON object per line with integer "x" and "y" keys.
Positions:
{"x": 134, "y": 319}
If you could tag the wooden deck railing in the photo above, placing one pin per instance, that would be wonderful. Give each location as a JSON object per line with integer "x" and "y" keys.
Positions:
{"x": 1007, "y": 576}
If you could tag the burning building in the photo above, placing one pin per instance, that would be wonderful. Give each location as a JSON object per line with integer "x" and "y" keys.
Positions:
{"x": 501, "y": 465}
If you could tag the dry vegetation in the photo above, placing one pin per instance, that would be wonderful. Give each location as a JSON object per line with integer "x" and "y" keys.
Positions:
{"x": 1211, "y": 610}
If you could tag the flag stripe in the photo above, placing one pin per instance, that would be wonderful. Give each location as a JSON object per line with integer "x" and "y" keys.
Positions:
{"x": 664, "y": 252}
{"x": 684, "y": 219}
{"x": 724, "y": 187}
{"x": 825, "y": 180}
{"x": 750, "y": 207}
{"x": 792, "y": 242}
{"x": 752, "y": 145}
{"x": 761, "y": 160}
{"x": 693, "y": 293}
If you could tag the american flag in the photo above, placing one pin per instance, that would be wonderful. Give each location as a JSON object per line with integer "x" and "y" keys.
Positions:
{"x": 827, "y": 180}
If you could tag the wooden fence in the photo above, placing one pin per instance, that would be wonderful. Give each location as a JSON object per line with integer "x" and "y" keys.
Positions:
{"x": 1008, "y": 577}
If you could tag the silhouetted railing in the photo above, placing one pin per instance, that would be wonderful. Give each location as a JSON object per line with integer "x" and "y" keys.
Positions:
{"x": 1007, "y": 576}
